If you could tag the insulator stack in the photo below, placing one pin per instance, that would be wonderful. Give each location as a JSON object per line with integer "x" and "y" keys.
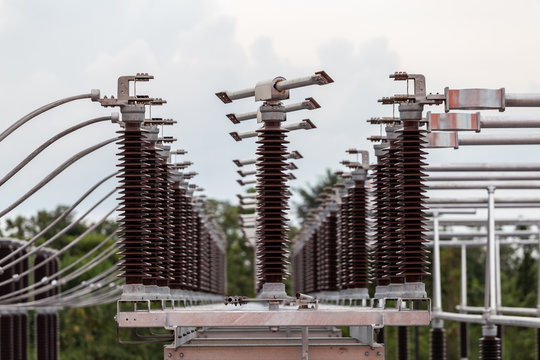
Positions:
{"x": 165, "y": 189}
{"x": 330, "y": 248}
{"x": 344, "y": 244}
{"x": 196, "y": 232}
{"x": 309, "y": 264}
{"x": 538, "y": 343}
{"x": 393, "y": 206}
{"x": 402, "y": 343}
{"x": 272, "y": 196}
{"x": 358, "y": 240}
{"x": 463, "y": 340}
{"x": 413, "y": 264}
{"x": 7, "y": 321}
{"x": 42, "y": 336}
{"x": 179, "y": 238}
{"x": 380, "y": 212}
{"x": 298, "y": 272}
{"x": 490, "y": 348}
{"x": 154, "y": 222}
{"x": 437, "y": 349}
{"x": 133, "y": 185}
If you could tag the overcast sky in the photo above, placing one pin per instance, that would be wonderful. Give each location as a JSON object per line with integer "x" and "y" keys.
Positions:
{"x": 55, "y": 49}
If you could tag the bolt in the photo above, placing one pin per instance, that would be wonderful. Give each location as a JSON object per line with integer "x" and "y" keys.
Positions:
{"x": 181, "y": 354}
{"x": 379, "y": 353}
{"x": 366, "y": 353}
{"x": 170, "y": 354}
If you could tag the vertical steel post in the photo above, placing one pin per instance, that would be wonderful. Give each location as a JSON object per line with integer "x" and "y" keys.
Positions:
{"x": 305, "y": 343}
{"x": 491, "y": 250}
{"x": 437, "y": 336}
{"x": 463, "y": 327}
{"x": 437, "y": 303}
{"x": 489, "y": 344}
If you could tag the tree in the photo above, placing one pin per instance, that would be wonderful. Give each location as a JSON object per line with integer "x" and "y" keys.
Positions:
{"x": 309, "y": 194}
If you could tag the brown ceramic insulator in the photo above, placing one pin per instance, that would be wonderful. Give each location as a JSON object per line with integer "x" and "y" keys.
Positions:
{"x": 308, "y": 263}
{"x": 24, "y": 336}
{"x": 437, "y": 344}
{"x": 358, "y": 237}
{"x": 7, "y": 350}
{"x": 191, "y": 253}
{"x": 489, "y": 348}
{"x": 204, "y": 263}
{"x": 331, "y": 252}
{"x": 196, "y": 240}
{"x": 5, "y": 250}
{"x": 133, "y": 234}
{"x": 298, "y": 271}
{"x": 213, "y": 287}
{"x": 343, "y": 258}
{"x": 320, "y": 245}
{"x": 42, "y": 337}
{"x": 380, "y": 211}
{"x": 165, "y": 205}
{"x": 53, "y": 336}
{"x": 413, "y": 264}
{"x": 272, "y": 196}
{"x": 393, "y": 210}
{"x": 402, "y": 343}
{"x": 463, "y": 340}
{"x": 154, "y": 221}
{"x": 178, "y": 241}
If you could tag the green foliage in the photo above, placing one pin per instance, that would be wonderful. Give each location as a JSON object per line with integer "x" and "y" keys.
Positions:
{"x": 309, "y": 194}
{"x": 240, "y": 255}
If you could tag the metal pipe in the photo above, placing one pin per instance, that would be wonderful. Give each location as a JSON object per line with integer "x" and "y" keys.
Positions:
{"x": 491, "y": 250}
{"x": 484, "y": 177}
{"x": 56, "y": 221}
{"x": 57, "y": 171}
{"x": 308, "y": 104}
{"x": 483, "y": 205}
{"x": 522, "y": 100}
{"x": 94, "y": 95}
{"x": 472, "y": 234}
{"x": 498, "y": 272}
{"x": 509, "y": 139}
{"x": 484, "y": 167}
{"x": 463, "y": 294}
{"x": 497, "y": 122}
{"x": 437, "y": 304}
{"x": 468, "y": 318}
{"x": 479, "y": 222}
{"x": 483, "y": 185}
{"x": 481, "y": 243}
{"x": 319, "y": 78}
{"x": 482, "y": 200}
